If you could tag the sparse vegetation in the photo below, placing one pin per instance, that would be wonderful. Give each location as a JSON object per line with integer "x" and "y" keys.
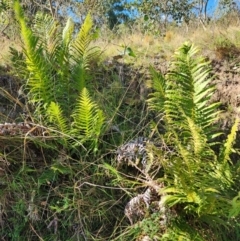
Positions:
{"x": 123, "y": 133}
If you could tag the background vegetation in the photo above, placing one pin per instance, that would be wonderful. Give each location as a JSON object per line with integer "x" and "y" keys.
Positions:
{"x": 121, "y": 122}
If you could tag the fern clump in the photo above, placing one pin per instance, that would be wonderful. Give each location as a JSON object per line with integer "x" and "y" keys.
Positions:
{"x": 185, "y": 91}
{"x": 57, "y": 63}
{"x": 195, "y": 183}
{"x": 198, "y": 182}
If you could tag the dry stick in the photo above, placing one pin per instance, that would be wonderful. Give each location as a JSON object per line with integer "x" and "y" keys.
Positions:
{"x": 51, "y": 9}
{"x": 95, "y": 185}
{"x": 41, "y": 5}
{"x": 43, "y": 127}
{"x": 7, "y": 95}
{"x": 36, "y": 232}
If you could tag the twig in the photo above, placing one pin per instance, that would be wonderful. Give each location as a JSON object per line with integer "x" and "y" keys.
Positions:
{"x": 36, "y": 232}
{"x": 51, "y": 9}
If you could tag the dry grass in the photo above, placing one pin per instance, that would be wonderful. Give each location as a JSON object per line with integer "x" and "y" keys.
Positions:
{"x": 147, "y": 47}
{"x": 4, "y": 52}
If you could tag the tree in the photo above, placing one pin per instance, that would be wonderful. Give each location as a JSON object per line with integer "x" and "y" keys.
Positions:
{"x": 227, "y": 6}
{"x": 112, "y": 12}
{"x": 166, "y": 9}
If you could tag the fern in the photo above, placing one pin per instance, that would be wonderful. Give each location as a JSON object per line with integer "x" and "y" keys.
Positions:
{"x": 56, "y": 116}
{"x": 82, "y": 54}
{"x": 68, "y": 32}
{"x": 87, "y": 118}
{"x": 228, "y": 146}
{"x": 55, "y": 43}
{"x": 57, "y": 61}
{"x": 235, "y": 209}
{"x": 198, "y": 181}
{"x": 39, "y": 78}
{"x": 185, "y": 91}
{"x": 223, "y": 171}
{"x": 57, "y": 64}
{"x": 45, "y": 32}
{"x": 157, "y": 98}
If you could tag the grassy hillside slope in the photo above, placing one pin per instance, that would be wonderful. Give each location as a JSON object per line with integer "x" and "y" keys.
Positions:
{"x": 142, "y": 152}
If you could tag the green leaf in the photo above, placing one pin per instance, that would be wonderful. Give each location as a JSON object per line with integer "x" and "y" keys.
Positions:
{"x": 235, "y": 210}
{"x": 130, "y": 52}
{"x": 59, "y": 168}
{"x": 146, "y": 18}
{"x": 47, "y": 176}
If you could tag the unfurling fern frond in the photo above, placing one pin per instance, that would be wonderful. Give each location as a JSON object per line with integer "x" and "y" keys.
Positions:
{"x": 87, "y": 118}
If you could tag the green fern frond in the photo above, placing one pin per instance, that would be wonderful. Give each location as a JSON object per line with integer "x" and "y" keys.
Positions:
{"x": 197, "y": 180}
{"x": 55, "y": 115}
{"x": 82, "y": 54}
{"x": 45, "y": 27}
{"x": 181, "y": 230}
{"x": 57, "y": 65}
{"x": 228, "y": 146}
{"x": 68, "y": 32}
{"x": 185, "y": 91}
{"x": 198, "y": 138}
{"x": 88, "y": 118}
{"x": 60, "y": 58}
{"x": 38, "y": 67}
{"x": 235, "y": 209}
{"x": 189, "y": 76}
{"x": 83, "y": 38}
{"x": 157, "y": 98}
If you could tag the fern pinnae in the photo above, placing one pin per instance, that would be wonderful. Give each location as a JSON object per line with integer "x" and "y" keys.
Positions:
{"x": 82, "y": 54}
{"x": 55, "y": 115}
{"x": 45, "y": 27}
{"x": 198, "y": 138}
{"x": 228, "y": 146}
{"x": 39, "y": 79}
{"x": 157, "y": 98}
{"x": 88, "y": 118}
{"x": 83, "y": 39}
{"x": 68, "y": 32}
